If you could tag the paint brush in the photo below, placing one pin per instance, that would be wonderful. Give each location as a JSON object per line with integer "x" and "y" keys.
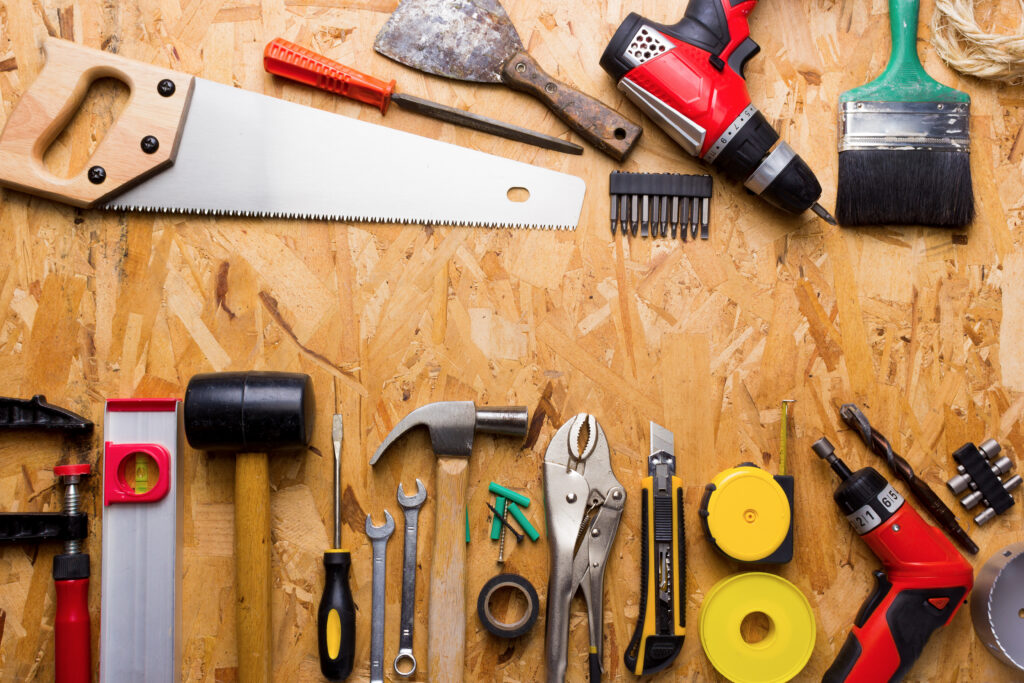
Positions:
{"x": 904, "y": 142}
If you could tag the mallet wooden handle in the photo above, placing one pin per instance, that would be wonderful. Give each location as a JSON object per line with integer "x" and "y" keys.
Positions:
{"x": 53, "y": 98}
{"x": 446, "y": 649}
{"x": 252, "y": 567}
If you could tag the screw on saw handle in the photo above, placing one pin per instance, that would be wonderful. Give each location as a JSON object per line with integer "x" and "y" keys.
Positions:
{"x": 288, "y": 60}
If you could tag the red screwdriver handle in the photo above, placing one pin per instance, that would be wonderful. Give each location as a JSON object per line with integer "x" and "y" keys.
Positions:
{"x": 71, "y": 632}
{"x": 288, "y": 60}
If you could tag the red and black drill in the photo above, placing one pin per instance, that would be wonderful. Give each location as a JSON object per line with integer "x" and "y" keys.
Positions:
{"x": 688, "y": 77}
{"x": 924, "y": 580}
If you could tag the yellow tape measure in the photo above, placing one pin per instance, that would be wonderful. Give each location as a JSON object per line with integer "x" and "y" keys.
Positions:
{"x": 748, "y": 514}
{"x": 783, "y": 651}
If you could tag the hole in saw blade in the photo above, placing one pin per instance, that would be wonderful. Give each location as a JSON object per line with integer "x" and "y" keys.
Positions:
{"x": 518, "y": 194}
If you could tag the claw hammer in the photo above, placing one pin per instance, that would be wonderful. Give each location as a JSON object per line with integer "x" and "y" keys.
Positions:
{"x": 452, "y": 426}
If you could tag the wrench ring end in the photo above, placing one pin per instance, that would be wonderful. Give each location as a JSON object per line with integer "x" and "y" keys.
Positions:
{"x": 403, "y": 657}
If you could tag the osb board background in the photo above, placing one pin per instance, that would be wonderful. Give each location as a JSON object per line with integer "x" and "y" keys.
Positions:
{"x": 922, "y": 327}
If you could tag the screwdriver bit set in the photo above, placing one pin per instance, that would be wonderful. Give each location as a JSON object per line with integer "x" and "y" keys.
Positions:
{"x": 659, "y": 204}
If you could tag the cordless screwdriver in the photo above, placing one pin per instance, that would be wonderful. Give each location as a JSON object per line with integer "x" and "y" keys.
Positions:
{"x": 336, "y": 616}
{"x": 922, "y": 585}
{"x": 688, "y": 77}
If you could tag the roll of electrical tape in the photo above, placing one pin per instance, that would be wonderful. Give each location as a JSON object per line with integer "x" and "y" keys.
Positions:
{"x": 500, "y": 628}
{"x": 997, "y": 605}
{"x": 784, "y": 650}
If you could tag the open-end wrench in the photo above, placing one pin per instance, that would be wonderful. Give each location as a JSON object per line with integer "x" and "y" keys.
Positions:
{"x": 411, "y": 507}
{"x": 379, "y": 536}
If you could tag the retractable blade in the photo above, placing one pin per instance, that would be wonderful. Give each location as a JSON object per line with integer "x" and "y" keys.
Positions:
{"x": 660, "y": 630}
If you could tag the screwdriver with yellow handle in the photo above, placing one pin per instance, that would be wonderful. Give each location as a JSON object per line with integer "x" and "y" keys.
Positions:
{"x": 336, "y": 618}
{"x": 659, "y": 633}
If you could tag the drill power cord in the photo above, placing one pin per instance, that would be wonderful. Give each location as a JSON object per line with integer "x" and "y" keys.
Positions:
{"x": 966, "y": 47}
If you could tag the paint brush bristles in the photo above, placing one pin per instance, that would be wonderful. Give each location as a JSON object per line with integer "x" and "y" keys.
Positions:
{"x": 904, "y": 142}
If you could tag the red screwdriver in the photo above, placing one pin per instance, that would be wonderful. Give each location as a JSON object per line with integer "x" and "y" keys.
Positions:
{"x": 288, "y": 60}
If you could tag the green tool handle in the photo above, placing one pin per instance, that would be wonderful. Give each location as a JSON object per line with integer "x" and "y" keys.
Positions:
{"x": 336, "y": 618}
{"x": 904, "y": 78}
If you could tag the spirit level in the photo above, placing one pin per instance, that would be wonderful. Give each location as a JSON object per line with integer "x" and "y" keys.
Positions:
{"x": 140, "y": 624}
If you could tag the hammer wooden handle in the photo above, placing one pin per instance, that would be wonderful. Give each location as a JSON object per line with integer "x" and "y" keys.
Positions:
{"x": 446, "y": 650}
{"x": 252, "y": 566}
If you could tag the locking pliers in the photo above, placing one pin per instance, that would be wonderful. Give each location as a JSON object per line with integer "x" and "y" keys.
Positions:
{"x": 583, "y": 502}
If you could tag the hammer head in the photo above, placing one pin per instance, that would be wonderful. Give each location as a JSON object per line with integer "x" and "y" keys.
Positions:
{"x": 453, "y": 424}
{"x": 249, "y": 411}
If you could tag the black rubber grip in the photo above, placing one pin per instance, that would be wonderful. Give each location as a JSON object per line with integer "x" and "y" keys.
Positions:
{"x": 844, "y": 662}
{"x": 337, "y": 597}
{"x": 70, "y": 567}
{"x": 912, "y": 619}
{"x": 595, "y": 667}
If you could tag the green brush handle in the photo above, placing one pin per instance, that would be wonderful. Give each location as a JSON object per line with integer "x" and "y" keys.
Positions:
{"x": 904, "y": 79}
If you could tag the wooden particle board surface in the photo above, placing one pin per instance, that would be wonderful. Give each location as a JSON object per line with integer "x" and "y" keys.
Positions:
{"x": 921, "y": 327}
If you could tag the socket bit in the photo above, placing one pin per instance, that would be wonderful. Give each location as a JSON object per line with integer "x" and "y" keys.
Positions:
{"x": 990, "y": 448}
{"x": 971, "y": 499}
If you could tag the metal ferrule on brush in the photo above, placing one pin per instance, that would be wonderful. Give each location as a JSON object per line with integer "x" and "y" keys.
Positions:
{"x": 904, "y": 126}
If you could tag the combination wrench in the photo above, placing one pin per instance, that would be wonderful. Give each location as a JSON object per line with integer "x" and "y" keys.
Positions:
{"x": 411, "y": 507}
{"x": 379, "y": 536}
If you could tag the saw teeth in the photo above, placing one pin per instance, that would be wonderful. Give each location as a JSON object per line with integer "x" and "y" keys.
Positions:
{"x": 234, "y": 213}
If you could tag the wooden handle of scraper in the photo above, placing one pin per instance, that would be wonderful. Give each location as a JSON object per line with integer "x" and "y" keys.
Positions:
{"x": 252, "y": 567}
{"x": 446, "y": 650}
{"x": 601, "y": 126}
{"x": 54, "y": 97}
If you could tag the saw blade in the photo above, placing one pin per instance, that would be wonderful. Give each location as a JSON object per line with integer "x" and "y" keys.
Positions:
{"x": 246, "y": 154}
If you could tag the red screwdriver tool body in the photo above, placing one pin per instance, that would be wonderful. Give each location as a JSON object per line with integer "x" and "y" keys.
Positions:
{"x": 296, "y": 63}
{"x": 923, "y": 583}
{"x": 688, "y": 77}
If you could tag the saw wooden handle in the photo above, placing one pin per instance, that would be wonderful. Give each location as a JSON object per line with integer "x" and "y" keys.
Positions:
{"x": 604, "y": 128}
{"x": 153, "y": 109}
{"x": 252, "y": 567}
{"x": 446, "y": 651}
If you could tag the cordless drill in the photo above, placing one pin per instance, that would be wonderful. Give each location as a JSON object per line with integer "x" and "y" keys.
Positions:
{"x": 923, "y": 583}
{"x": 688, "y": 77}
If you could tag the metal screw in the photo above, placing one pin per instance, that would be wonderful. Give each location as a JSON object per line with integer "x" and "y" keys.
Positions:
{"x": 595, "y": 532}
{"x": 551, "y": 88}
{"x": 521, "y": 67}
{"x": 895, "y": 527}
{"x": 165, "y": 87}
{"x": 501, "y": 536}
{"x": 149, "y": 144}
{"x": 97, "y": 175}
{"x": 616, "y": 494}
{"x": 570, "y": 498}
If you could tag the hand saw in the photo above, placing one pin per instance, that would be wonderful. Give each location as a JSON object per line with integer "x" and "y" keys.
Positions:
{"x": 186, "y": 145}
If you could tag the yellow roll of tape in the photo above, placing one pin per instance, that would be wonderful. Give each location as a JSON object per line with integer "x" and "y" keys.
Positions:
{"x": 782, "y": 653}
